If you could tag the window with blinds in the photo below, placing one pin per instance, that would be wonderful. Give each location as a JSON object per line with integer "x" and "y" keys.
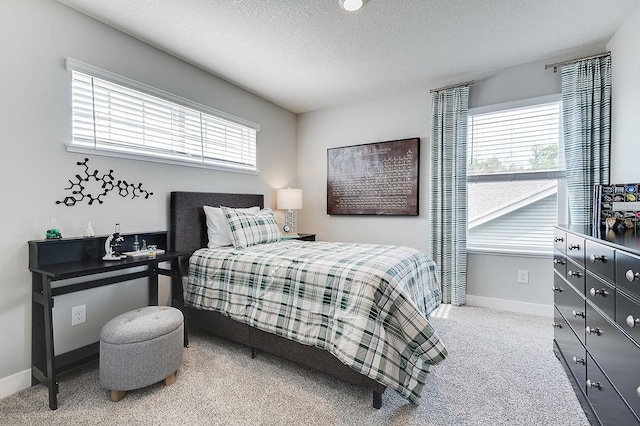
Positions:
{"x": 514, "y": 175}
{"x": 113, "y": 115}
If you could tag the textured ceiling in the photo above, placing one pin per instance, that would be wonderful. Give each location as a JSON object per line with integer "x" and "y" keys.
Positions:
{"x": 309, "y": 54}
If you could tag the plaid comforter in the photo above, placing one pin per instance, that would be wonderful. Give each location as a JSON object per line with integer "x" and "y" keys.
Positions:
{"x": 366, "y": 304}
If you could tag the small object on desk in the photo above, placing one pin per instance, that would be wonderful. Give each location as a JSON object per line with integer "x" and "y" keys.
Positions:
{"x": 141, "y": 253}
{"x": 89, "y": 231}
{"x": 144, "y": 245}
{"x": 153, "y": 249}
{"x": 53, "y": 234}
{"x": 112, "y": 244}
{"x": 136, "y": 244}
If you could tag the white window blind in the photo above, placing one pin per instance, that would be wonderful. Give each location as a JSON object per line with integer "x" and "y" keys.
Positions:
{"x": 119, "y": 116}
{"x": 514, "y": 174}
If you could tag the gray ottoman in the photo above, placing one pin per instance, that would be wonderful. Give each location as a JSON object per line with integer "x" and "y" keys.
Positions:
{"x": 140, "y": 348}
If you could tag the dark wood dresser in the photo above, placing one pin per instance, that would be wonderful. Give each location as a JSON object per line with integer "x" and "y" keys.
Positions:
{"x": 597, "y": 319}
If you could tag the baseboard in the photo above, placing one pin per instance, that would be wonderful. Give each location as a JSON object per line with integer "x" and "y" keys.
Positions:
{"x": 15, "y": 383}
{"x": 510, "y": 305}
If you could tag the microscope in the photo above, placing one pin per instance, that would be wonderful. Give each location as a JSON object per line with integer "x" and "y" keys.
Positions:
{"x": 112, "y": 245}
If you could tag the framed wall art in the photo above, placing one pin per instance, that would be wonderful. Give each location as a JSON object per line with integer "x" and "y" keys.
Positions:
{"x": 617, "y": 206}
{"x": 374, "y": 179}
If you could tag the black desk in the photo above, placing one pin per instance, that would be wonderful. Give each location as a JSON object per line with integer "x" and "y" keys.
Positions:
{"x": 54, "y": 260}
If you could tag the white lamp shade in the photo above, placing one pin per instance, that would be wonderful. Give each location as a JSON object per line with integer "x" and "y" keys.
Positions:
{"x": 289, "y": 199}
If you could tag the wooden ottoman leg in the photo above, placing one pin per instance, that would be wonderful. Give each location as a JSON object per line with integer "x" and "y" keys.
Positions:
{"x": 171, "y": 379}
{"x": 117, "y": 395}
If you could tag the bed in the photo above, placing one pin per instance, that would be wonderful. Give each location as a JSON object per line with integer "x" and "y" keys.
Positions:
{"x": 391, "y": 346}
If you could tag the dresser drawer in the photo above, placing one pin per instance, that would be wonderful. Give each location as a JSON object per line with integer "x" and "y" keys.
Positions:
{"x": 601, "y": 294}
{"x": 599, "y": 260}
{"x": 628, "y": 272}
{"x": 617, "y": 355}
{"x": 576, "y": 277}
{"x": 560, "y": 263}
{"x": 560, "y": 240}
{"x": 571, "y": 349}
{"x": 607, "y": 403}
{"x": 572, "y": 306}
{"x": 626, "y": 374}
{"x": 575, "y": 249}
{"x": 628, "y": 314}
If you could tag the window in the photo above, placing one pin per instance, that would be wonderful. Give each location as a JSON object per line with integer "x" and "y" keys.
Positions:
{"x": 113, "y": 115}
{"x": 514, "y": 175}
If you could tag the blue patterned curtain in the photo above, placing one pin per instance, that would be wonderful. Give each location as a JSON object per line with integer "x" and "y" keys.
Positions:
{"x": 448, "y": 196}
{"x": 586, "y": 113}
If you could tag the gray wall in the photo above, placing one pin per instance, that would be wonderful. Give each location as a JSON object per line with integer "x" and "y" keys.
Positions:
{"x": 37, "y": 36}
{"x": 625, "y": 63}
{"x": 492, "y": 278}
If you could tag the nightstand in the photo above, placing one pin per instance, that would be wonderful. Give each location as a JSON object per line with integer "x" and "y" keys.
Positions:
{"x": 307, "y": 237}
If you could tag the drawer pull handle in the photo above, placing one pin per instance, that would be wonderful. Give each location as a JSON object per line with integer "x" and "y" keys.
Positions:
{"x": 592, "y": 385}
{"x": 593, "y": 330}
{"x": 593, "y": 292}
{"x": 558, "y": 289}
{"x": 595, "y": 258}
{"x": 558, "y": 261}
{"x": 574, "y": 247}
{"x": 576, "y": 274}
{"x": 556, "y": 325}
{"x": 631, "y": 276}
{"x": 558, "y": 239}
{"x": 633, "y": 322}
{"x": 577, "y": 360}
{"x": 578, "y": 314}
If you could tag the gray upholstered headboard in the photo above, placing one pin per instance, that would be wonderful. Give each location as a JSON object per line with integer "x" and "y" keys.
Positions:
{"x": 187, "y": 223}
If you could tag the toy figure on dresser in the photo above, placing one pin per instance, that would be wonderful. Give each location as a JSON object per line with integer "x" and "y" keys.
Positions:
{"x": 619, "y": 225}
{"x": 112, "y": 245}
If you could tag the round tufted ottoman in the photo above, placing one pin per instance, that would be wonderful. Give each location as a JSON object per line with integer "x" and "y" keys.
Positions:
{"x": 140, "y": 348}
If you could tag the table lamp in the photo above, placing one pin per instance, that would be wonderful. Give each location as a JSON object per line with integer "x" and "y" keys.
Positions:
{"x": 289, "y": 200}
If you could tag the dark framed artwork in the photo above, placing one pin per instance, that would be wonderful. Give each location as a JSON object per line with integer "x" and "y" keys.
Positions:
{"x": 374, "y": 179}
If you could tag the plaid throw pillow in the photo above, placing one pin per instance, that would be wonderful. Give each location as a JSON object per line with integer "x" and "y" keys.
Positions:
{"x": 249, "y": 229}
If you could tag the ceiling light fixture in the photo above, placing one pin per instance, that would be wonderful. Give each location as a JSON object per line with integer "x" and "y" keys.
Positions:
{"x": 351, "y": 5}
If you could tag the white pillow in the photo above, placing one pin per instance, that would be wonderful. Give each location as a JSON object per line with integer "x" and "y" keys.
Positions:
{"x": 218, "y": 227}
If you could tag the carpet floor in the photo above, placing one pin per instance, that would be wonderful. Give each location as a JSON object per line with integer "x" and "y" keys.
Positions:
{"x": 501, "y": 370}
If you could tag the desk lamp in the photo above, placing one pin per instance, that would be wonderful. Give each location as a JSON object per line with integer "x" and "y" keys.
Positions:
{"x": 289, "y": 200}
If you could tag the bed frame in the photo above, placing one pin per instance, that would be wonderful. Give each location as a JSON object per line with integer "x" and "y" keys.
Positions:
{"x": 188, "y": 232}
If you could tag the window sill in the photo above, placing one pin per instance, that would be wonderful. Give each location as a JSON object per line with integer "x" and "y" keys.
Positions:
{"x": 117, "y": 154}
{"x": 510, "y": 252}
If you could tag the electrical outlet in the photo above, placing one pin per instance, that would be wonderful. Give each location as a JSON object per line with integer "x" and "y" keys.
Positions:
{"x": 78, "y": 314}
{"x": 523, "y": 276}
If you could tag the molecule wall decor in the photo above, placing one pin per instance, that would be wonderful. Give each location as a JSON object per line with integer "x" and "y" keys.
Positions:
{"x": 106, "y": 184}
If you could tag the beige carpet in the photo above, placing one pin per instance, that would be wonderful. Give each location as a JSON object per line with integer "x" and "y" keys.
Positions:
{"x": 501, "y": 371}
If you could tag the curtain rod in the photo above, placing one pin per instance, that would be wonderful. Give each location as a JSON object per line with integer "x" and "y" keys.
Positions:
{"x": 466, "y": 83}
{"x": 573, "y": 61}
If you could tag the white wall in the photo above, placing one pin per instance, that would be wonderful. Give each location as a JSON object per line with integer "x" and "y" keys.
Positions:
{"x": 37, "y": 36}
{"x": 491, "y": 279}
{"x": 625, "y": 109}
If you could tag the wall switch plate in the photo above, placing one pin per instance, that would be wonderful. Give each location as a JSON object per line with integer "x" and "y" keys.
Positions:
{"x": 78, "y": 314}
{"x": 523, "y": 276}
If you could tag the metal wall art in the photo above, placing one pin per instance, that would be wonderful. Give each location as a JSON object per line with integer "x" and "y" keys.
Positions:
{"x": 106, "y": 183}
{"x": 374, "y": 179}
